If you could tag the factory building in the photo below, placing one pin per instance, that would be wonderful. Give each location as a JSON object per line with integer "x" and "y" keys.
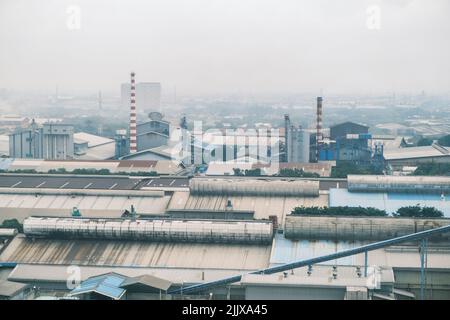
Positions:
{"x": 296, "y": 142}
{"x": 153, "y": 133}
{"x": 93, "y": 147}
{"x": 414, "y": 156}
{"x": 341, "y": 130}
{"x": 149, "y": 135}
{"x": 49, "y": 141}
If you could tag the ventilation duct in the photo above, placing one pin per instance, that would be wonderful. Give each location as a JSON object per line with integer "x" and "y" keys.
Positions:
{"x": 253, "y": 187}
{"x": 408, "y": 184}
{"x": 151, "y": 230}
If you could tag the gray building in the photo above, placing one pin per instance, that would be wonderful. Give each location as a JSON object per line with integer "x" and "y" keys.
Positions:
{"x": 153, "y": 133}
{"x": 50, "y": 141}
{"x": 342, "y": 129}
{"x": 297, "y": 142}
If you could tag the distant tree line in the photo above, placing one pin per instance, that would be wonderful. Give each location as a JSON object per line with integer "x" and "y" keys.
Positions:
{"x": 297, "y": 173}
{"x": 343, "y": 169}
{"x": 338, "y": 211}
{"x": 411, "y": 211}
{"x": 248, "y": 172}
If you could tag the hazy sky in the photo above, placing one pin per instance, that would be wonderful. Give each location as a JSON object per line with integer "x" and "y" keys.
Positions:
{"x": 226, "y": 46}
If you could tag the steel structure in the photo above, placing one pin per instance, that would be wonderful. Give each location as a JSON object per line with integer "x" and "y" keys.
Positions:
{"x": 341, "y": 254}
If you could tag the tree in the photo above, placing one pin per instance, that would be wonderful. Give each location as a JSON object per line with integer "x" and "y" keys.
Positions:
{"x": 424, "y": 142}
{"x": 12, "y": 224}
{"x": 418, "y": 212}
{"x": 444, "y": 141}
{"x": 432, "y": 169}
{"x": 339, "y": 211}
{"x": 286, "y": 172}
{"x": 342, "y": 170}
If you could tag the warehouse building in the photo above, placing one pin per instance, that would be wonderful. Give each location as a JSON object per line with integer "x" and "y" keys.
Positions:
{"x": 414, "y": 156}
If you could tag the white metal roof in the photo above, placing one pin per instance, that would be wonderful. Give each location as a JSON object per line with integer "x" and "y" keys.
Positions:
{"x": 415, "y": 152}
{"x": 92, "y": 140}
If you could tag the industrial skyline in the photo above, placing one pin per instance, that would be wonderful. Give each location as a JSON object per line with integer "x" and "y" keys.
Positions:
{"x": 218, "y": 47}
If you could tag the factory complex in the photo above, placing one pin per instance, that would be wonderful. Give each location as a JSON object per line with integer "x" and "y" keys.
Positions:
{"x": 160, "y": 237}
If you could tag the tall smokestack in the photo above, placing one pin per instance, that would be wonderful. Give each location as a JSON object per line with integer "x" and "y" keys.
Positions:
{"x": 133, "y": 147}
{"x": 319, "y": 136}
{"x": 287, "y": 137}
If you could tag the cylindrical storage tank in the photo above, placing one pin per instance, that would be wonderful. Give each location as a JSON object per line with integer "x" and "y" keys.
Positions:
{"x": 8, "y": 232}
{"x": 358, "y": 228}
{"x": 254, "y": 187}
{"x": 252, "y": 232}
{"x": 414, "y": 184}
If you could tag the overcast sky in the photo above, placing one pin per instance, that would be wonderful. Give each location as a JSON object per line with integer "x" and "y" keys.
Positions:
{"x": 226, "y": 46}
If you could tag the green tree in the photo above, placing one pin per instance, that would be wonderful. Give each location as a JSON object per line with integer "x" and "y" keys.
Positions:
{"x": 444, "y": 141}
{"x": 432, "y": 169}
{"x": 343, "y": 169}
{"x": 13, "y": 224}
{"x": 419, "y": 212}
{"x": 286, "y": 172}
{"x": 339, "y": 211}
{"x": 424, "y": 142}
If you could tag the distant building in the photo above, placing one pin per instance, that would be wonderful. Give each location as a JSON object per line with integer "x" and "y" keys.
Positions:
{"x": 13, "y": 121}
{"x": 352, "y": 142}
{"x": 49, "y": 141}
{"x": 342, "y": 129}
{"x": 153, "y": 133}
{"x": 122, "y": 146}
{"x": 148, "y": 95}
{"x": 297, "y": 142}
{"x": 92, "y": 147}
{"x": 414, "y": 156}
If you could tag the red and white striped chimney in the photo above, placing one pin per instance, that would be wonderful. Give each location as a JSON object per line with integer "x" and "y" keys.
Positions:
{"x": 133, "y": 146}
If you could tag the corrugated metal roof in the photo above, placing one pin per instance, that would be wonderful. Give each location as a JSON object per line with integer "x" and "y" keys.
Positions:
{"x": 92, "y": 140}
{"x": 405, "y": 256}
{"x": 107, "y": 285}
{"x": 414, "y": 152}
{"x": 58, "y": 273}
{"x": 129, "y": 253}
{"x": 390, "y": 202}
{"x": 10, "y": 288}
{"x": 148, "y": 280}
{"x": 262, "y": 206}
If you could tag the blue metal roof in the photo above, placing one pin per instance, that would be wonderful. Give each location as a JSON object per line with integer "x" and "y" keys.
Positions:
{"x": 388, "y": 201}
{"x": 106, "y": 285}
